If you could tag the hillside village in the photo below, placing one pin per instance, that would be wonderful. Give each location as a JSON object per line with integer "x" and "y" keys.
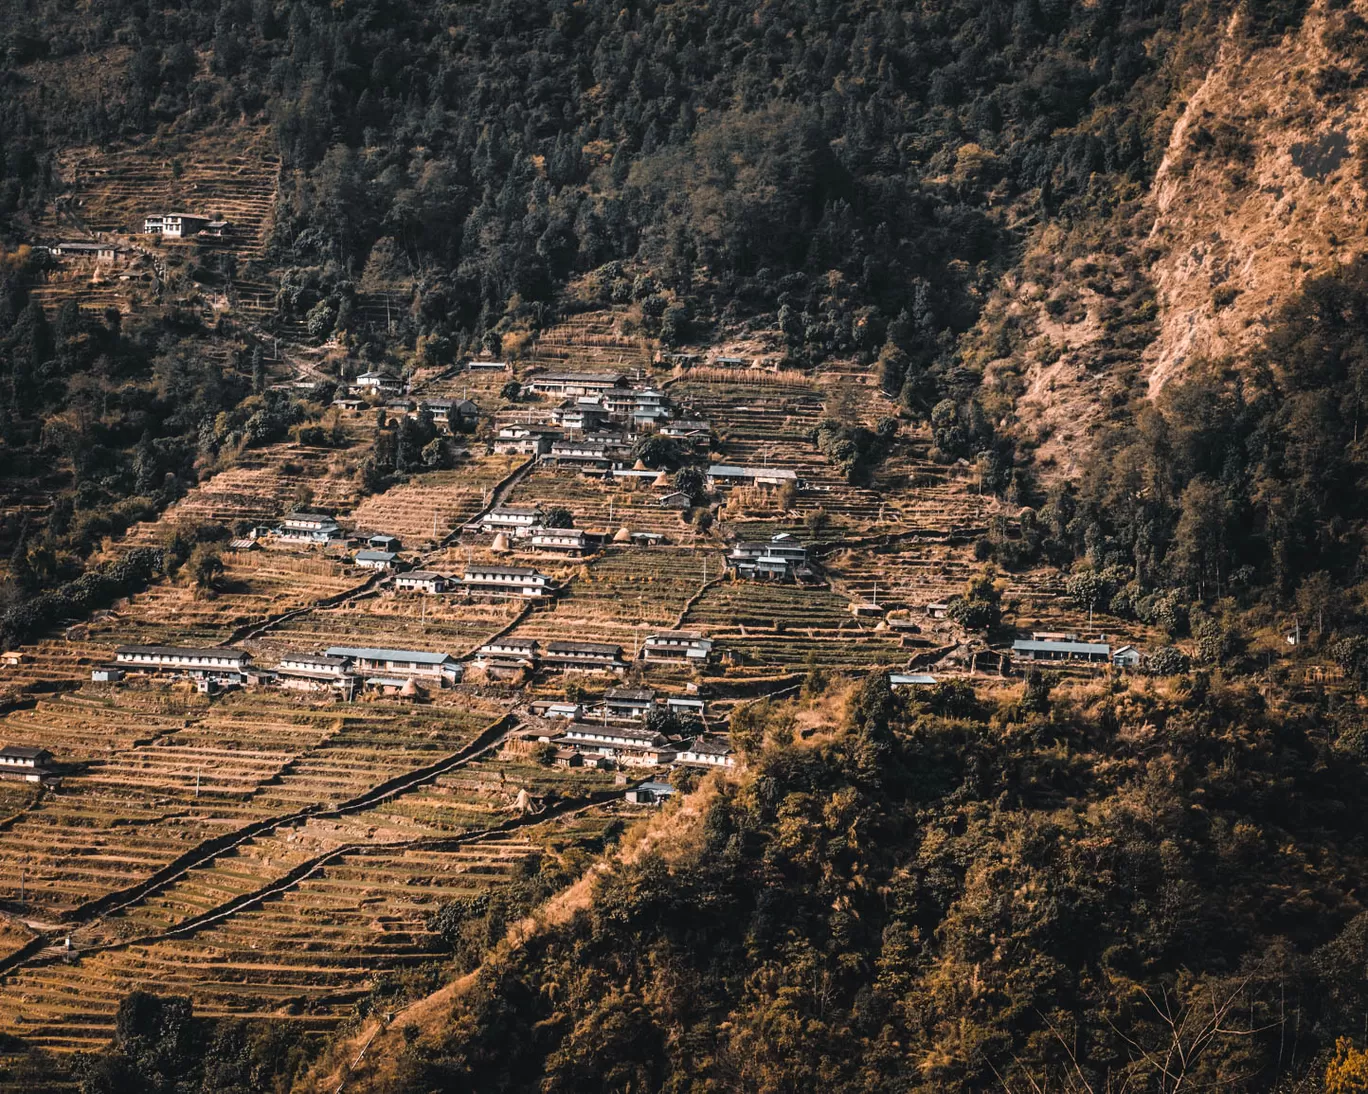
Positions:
{"x": 386, "y": 691}
{"x": 379, "y": 700}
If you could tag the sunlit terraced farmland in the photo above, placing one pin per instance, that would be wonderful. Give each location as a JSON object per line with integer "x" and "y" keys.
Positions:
{"x": 13, "y": 936}
{"x": 474, "y": 797}
{"x": 225, "y": 177}
{"x": 447, "y": 623}
{"x": 608, "y": 507}
{"x": 623, "y": 596}
{"x": 427, "y": 508}
{"x": 262, "y": 485}
{"x": 591, "y": 341}
{"x": 787, "y": 627}
{"x": 769, "y": 425}
{"x": 305, "y": 956}
{"x": 253, "y": 586}
{"x": 162, "y": 777}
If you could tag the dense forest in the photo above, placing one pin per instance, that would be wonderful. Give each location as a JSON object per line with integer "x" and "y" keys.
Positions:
{"x": 1081, "y": 890}
{"x": 856, "y": 175}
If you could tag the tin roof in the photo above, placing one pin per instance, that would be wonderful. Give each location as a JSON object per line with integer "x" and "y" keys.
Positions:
{"x": 420, "y": 657}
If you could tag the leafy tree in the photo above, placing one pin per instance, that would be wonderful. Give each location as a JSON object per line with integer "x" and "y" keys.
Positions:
{"x": 656, "y": 451}
{"x": 691, "y": 481}
{"x": 980, "y": 606}
{"x": 1167, "y": 661}
{"x": 558, "y": 516}
{"x": 206, "y": 566}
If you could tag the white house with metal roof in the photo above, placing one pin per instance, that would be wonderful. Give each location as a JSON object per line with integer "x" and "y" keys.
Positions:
{"x": 688, "y": 647}
{"x": 422, "y": 664}
{"x": 487, "y": 579}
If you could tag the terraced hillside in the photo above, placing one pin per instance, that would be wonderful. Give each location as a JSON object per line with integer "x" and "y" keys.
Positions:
{"x": 603, "y": 506}
{"x": 263, "y": 484}
{"x": 426, "y": 509}
{"x": 305, "y": 920}
{"x": 591, "y": 341}
{"x": 392, "y": 620}
{"x": 231, "y": 178}
{"x": 785, "y": 628}
{"x": 624, "y": 595}
{"x": 159, "y": 772}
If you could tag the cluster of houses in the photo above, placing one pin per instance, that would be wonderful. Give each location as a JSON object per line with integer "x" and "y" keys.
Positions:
{"x": 373, "y": 550}
{"x": 457, "y": 415}
{"x": 598, "y": 419}
{"x": 346, "y": 670}
{"x": 616, "y": 731}
{"x": 350, "y": 669}
{"x": 508, "y": 657}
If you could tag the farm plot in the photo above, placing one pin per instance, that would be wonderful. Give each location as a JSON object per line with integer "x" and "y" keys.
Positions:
{"x": 262, "y": 485}
{"x": 600, "y": 506}
{"x": 426, "y": 509}
{"x": 13, "y": 936}
{"x": 786, "y": 627}
{"x": 221, "y": 175}
{"x": 253, "y": 586}
{"x": 392, "y": 621}
{"x": 624, "y": 595}
{"x": 931, "y": 495}
{"x": 770, "y": 425}
{"x": 591, "y": 341}
{"x": 914, "y": 574}
{"x": 472, "y": 798}
{"x": 305, "y": 957}
{"x": 194, "y": 773}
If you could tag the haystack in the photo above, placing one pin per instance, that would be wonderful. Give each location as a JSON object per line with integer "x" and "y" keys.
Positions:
{"x": 500, "y": 543}
{"x": 623, "y": 535}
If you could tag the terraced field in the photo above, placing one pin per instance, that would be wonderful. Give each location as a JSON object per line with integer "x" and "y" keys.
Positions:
{"x": 624, "y": 595}
{"x": 600, "y": 506}
{"x": 591, "y": 342}
{"x": 226, "y": 177}
{"x": 403, "y": 621}
{"x": 350, "y": 898}
{"x": 263, "y": 484}
{"x": 787, "y": 627}
{"x": 165, "y": 770}
{"x": 426, "y": 509}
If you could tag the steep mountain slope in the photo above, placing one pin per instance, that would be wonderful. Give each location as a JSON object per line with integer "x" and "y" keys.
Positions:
{"x": 1261, "y": 186}
{"x": 1258, "y": 185}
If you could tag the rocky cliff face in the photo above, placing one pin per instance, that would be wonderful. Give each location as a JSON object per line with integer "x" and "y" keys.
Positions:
{"x": 1260, "y": 184}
